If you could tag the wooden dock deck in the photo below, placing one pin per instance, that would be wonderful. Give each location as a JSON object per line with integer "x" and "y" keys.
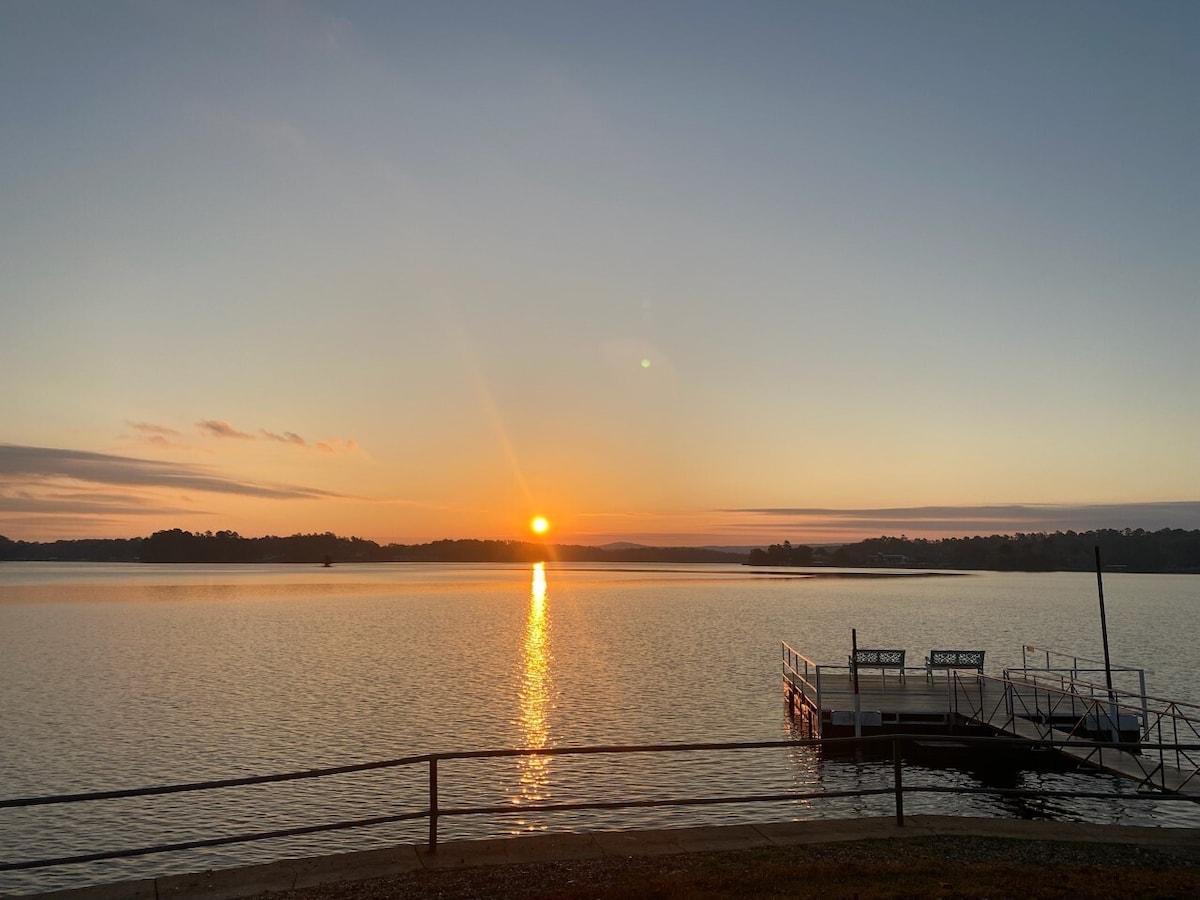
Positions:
{"x": 912, "y": 700}
{"x": 1065, "y": 714}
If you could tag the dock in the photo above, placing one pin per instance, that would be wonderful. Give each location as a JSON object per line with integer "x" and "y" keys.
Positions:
{"x": 1053, "y": 701}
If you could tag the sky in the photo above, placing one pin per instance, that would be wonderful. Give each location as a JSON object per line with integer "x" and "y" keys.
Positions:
{"x": 677, "y": 273}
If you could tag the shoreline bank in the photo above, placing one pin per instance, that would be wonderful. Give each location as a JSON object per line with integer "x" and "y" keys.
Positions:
{"x": 314, "y": 876}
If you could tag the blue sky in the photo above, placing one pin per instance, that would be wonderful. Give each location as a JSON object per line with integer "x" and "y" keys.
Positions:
{"x": 677, "y": 272}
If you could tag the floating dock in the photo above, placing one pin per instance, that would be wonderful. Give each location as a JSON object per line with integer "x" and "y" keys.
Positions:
{"x": 1053, "y": 701}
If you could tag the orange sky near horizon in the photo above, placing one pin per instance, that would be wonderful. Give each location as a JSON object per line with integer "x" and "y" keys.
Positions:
{"x": 77, "y": 494}
{"x": 718, "y": 276}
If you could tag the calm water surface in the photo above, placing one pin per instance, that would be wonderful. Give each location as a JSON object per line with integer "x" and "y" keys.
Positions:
{"x": 118, "y": 676}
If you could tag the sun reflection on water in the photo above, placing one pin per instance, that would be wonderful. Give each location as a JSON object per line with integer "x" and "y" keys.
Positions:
{"x": 535, "y": 691}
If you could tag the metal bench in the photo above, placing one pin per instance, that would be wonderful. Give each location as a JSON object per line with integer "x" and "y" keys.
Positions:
{"x": 953, "y": 659}
{"x": 877, "y": 659}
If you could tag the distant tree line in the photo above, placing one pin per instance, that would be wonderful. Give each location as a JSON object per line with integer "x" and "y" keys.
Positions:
{"x": 1168, "y": 550}
{"x": 87, "y": 550}
{"x": 786, "y": 554}
{"x": 179, "y": 546}
{"x": 1135, "y": 550}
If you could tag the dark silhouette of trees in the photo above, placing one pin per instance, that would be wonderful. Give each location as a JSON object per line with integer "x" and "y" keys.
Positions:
{"x": 1167, "y": 550}
{"x": 783, "y": 555}
{"x": 230, "y": 547}
{"x": 86, "y": 550}
{"x": 176, "y": 545}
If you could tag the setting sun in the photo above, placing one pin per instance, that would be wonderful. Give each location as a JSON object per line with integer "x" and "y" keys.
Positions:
{"x": 539, "y": 525}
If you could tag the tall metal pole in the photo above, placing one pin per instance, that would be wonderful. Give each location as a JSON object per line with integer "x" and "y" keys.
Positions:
{"x": 854, "y": 673}
{"x": 1112, "y": 697}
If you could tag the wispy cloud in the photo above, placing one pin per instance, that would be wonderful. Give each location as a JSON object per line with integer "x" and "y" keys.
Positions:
{"x": 21, "y": 465}
{"x": 217, "y": 428}
{"x": 160, "y": 437}
{"x": 288, "y": 437}
{"x": 337, "y": 446}
{"x": 86, "y": 504}
{"x": 968, "y": 520}
{"x": 151, "y": 430}
{"x": 163, "y": 437}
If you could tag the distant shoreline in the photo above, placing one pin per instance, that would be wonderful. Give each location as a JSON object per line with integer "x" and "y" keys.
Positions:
{"x": 1172, "y": 551}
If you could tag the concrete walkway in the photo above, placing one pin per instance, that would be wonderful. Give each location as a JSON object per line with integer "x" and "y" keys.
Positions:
{"x": 225, "y": 884}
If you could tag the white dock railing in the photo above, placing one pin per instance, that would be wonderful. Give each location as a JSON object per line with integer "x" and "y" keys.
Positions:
{"x": 1057, "y": 712}
{"x": 802, "y": 680}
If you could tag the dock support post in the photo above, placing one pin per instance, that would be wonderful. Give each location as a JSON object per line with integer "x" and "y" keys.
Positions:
{"x": 899, "y": 784}
{"x": 433, "y": 804}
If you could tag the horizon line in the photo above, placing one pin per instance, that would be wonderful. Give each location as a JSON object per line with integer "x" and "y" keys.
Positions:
{"x": 732, "y": 545}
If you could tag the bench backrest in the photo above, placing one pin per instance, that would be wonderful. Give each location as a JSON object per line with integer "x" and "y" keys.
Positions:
{"x": 889, "y": 658}
{"x": 967, "y": 659}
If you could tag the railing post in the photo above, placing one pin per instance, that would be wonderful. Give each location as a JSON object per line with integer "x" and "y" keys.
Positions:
{"x": 1175, "y": 735}
{"x": 1162, "y": 756}
{"x": 433, "y": 804}
{"x": 820, "y": 701}
{"x": 899, "y": 785}
{"x": 1145, "y": 701}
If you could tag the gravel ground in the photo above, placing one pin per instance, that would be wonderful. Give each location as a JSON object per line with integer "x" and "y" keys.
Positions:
{"x": 917, "y": 867}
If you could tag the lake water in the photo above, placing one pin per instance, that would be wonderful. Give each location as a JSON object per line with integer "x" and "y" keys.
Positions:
{"x": 120, "y": 676}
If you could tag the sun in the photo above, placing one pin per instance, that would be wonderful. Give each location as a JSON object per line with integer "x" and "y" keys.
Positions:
{"x": 539, "y": 525}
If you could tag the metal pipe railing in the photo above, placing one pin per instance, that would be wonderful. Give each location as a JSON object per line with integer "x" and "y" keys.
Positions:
{"x": 433, "y": 811}
{"x": 1041, "y": 704}
{"x": 1076, "y": 659}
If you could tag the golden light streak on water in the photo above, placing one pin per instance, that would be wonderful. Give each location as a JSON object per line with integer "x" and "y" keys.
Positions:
{"x": 535, "y": 690}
